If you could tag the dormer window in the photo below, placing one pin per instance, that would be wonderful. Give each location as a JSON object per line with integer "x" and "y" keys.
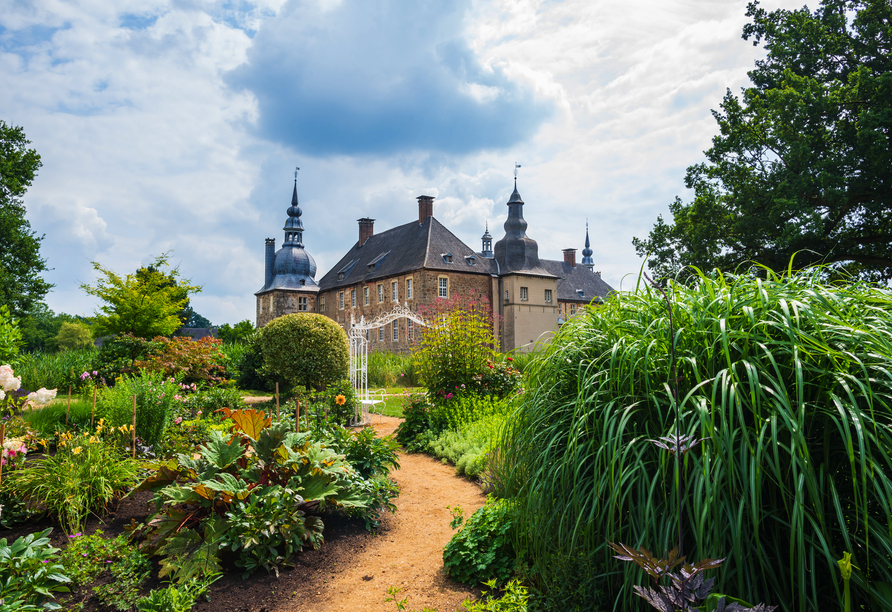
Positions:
{"x": 373, "y": 265}
{"x": 471, "y": 260}
{"x": 447, "y": 257}
{"x": 340, "y": 276}
{"x": 580, "y": 292}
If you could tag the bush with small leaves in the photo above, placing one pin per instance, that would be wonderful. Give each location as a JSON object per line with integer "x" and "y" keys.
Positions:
{"x": 306, "y": 349}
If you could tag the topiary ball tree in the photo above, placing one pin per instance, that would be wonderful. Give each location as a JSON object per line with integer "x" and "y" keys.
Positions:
{"x": 306, "y": 349}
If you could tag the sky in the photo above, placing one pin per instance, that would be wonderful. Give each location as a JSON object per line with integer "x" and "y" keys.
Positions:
{"x": 175, "y": 126}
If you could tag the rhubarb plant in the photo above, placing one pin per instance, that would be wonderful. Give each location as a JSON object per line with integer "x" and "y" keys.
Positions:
{"x": 246, "y": 496}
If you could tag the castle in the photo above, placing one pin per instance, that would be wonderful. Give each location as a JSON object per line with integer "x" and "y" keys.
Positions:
{"x": 422, "y": 261}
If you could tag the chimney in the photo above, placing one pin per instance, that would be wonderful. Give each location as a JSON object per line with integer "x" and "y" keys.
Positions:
{"x": 270, "y": 261}
{"x": 425, "y": 208}
{"x": 570, "y": 257}
{"x": 366, "y": 229}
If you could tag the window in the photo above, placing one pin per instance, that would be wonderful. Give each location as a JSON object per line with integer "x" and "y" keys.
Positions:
{"x": 353, "y": 298}
{"x": 302, "y": 304}
{"x": 548, "y": 296}
{"x": 366, "y": 293}
{"x": 380, "y": 334}
{"x": 523, "y": 294}
{"x": 380, "y": 293}
{"x": 396, "y": 331}
{"x": 341, "y": 300}
{"x": 443, "y": 290}
{"x": 506, "y": 295}
{"x": 572, "y": 309}
{"x": 410, "y": 325}
{"x": 394, "y": 294}
{"x": 322, "y": 303}
{"x": 408, "y": 288}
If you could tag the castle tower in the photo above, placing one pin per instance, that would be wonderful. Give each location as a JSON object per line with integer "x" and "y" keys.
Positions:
{"x": 289, "y": 279}
{"x": 527, "y": 291}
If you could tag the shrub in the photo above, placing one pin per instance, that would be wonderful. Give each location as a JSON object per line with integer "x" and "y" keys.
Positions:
{"x": 118, "y": 354}
{"x": 29, "y": 573}
{"x": 786, "y": 379}
{"x": 74, "y": 335}
{"x": 309, "y": 350}
{"x": 156, "y": 400}
{"x": 191, "y": 361}
{"x": 482, "y": 548}
{"x": 468, "y": 446}
{"x": 416, "y": 422}
{"x": 82, "y": 478}
{"x": 457, "y": 344}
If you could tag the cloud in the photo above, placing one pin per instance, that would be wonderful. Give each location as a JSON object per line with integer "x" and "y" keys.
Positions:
{"x": 360, "y": 78}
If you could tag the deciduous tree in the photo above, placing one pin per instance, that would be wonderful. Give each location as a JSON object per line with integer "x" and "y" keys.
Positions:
{"x": 145, "y": 304}
{"x": 803, "y": 160}
{"x": 21, "y": 286}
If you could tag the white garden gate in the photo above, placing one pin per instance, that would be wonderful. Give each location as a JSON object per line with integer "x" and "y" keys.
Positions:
{"x": 359, "y": 358}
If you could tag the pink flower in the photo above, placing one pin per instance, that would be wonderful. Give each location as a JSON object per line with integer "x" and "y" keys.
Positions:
{"x": 95, "y": 373}
{"x": 178, "y": 420}
{"x": 199, "y": 413}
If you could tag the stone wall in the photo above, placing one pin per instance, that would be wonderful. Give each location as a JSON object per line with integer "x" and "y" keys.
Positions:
{"x": 425, "y": 290}
{"x": 280, "y": 302}
{"x": 527, "y": 318}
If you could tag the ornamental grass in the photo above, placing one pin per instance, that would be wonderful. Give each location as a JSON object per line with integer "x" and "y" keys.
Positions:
{"x": 789, "y": 382}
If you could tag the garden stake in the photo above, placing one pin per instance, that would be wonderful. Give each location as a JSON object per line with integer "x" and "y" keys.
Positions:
{"x": 93, "y": 412}
{"x": 277, "y": 400}
{"x": 133, "y": 431}
{"x": 2, "y": 440}
{"x": 68, "y": 409}
{"x": 296, "y": 416}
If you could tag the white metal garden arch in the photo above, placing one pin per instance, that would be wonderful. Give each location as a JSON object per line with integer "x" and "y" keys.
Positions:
{"x": 359, "y": 356}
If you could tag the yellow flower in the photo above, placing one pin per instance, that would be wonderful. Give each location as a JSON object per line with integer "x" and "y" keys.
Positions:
{"x": 93, "y": 439}
{"x": 76, "y": 450}
{"x": 340, "y": 400}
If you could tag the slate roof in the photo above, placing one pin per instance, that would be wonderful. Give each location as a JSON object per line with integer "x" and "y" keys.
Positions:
{"x": 571, "y": 279}
{"x": 405, "y": 248}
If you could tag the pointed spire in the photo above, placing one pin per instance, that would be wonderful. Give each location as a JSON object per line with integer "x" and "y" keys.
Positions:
{"x": 294, "y": 227}
{"x": 587, "y": 260}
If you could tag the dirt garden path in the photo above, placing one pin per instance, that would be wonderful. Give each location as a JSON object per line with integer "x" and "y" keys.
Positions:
{"x": 408, "y": 550}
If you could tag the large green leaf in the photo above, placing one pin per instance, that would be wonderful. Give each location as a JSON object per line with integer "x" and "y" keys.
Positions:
{"x": 221, "y": 451}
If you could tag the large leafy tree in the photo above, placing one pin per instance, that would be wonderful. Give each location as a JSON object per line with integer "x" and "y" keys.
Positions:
{"x": 803, "y": 161}
{"x": 145, "y": 304}
{"x": 21, "y": 286}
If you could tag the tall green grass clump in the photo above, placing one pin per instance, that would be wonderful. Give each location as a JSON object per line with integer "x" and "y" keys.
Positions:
{"x": 789, "y": 383}
{"x": 156, "y": 399}
{"x": 55, "y": 370}
{"x": 391, "y": 370}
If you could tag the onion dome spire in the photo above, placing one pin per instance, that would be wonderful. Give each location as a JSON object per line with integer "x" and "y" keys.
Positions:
{"x": 294, "y": 227}
{"x": 587, "y": 260}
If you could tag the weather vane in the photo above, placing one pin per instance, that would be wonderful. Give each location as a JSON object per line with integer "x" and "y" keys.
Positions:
{"x": 295, "y": 173}
{"x": 516, "y": 166}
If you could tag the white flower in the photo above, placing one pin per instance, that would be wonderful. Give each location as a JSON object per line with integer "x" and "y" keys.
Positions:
{"x": 8, "y": 381}
{"x": 45, "y": 396}
{"x": 2, "y": 394}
